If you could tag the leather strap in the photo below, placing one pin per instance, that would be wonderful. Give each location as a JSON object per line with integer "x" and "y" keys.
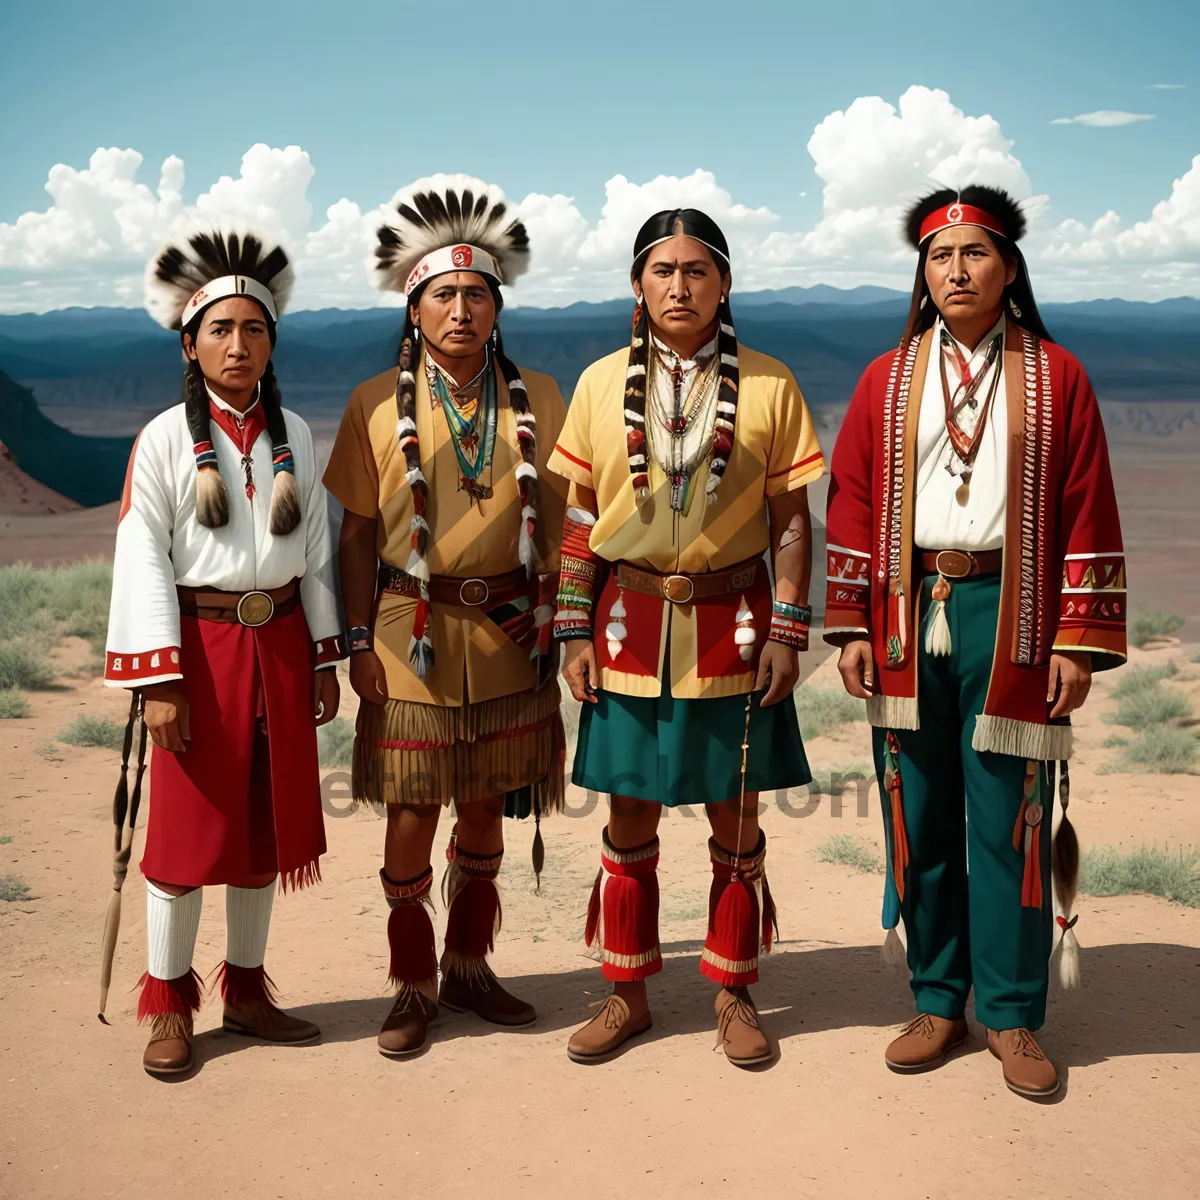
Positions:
{"x": 685, "y": 589}
{"x": 210, "y": 604}
{"x": 961, "y": 564}
{"x": 468, "y": 591}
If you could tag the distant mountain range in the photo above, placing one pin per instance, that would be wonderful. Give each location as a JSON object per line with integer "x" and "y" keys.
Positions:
{"x": 113, "y": 368}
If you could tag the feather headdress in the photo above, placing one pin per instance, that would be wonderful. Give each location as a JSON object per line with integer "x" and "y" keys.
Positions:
{"x": 439, "y": 224}
{"x": 183, "y": 279}
{"x": 444, "y": 211}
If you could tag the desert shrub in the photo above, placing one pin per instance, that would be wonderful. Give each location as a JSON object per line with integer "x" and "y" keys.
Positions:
{"x": 12, "y": 887}
{"x": 1150, "y": 708}
{"x": 1139, "y": 679}
{"x": 823, "y": 709}
{"x": 12, "y": 704}
{"x": 47, "y": 603}
{"x": 100, "y": 733}
{"x": 1172, "y": 874}
{"x": 849, "y": 851}
{"x": 1147, "y": 624}
{"x": 23, "y": 665}
{"x": 5, "y": 840}
{"x": 1167, "y": 750}
{"x": 335, "y": 743}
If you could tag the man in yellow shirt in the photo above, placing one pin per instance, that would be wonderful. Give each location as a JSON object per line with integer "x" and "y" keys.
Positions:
{"x": 446, "y": 541}
{"x": 688, "y": 457}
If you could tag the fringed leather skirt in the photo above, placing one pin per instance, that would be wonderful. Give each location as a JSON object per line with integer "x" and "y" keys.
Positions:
{"x": 420, "y": 754}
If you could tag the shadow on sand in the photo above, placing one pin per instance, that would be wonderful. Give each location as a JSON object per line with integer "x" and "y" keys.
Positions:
{"x": 1134, "y": 999}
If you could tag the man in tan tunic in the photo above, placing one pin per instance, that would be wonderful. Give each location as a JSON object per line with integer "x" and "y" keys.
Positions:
{"x": 449, "y": 564}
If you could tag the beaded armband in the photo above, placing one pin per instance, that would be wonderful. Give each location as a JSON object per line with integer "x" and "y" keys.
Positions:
{"x": 789, "y": 624}
{"x": 577, "y": 578}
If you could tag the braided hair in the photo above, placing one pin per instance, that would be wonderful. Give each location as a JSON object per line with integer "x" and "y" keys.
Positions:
{"x": 659, "y": 228}
{"x": 212, "y": 500}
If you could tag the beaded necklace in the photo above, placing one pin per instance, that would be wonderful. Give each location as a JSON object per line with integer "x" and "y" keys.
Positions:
{"x": 474, "y": 437}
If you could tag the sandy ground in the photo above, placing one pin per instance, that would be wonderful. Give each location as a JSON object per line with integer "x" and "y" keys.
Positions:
{"x": 492, "y": 1113}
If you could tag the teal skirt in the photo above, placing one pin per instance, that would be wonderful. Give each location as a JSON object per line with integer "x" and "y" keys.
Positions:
{"x": 687, "y": 751}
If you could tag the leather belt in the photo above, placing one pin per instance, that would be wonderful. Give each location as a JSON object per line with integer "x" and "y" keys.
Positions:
{"x": 470, "y": 592}
{"x": 959, "y": 564}
{"x": 238, "y": 608}
{"x": 686, "y": 589}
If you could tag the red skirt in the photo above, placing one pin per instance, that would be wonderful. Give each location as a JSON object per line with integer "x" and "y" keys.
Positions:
{"x": 244, "y": 798}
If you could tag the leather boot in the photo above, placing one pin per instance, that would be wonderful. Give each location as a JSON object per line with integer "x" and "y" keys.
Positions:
{"x": 1027, "y": 1071}
{"x": 169, "y": 1051}
{"x": 924, "y": 1043}
{"x": 604, "y": 1035}
{"x": 738, "y": 1030}
{"x": 482, "y": 994}
{"x": 407, "y": 1025}
{"x": 270, "y": 1024}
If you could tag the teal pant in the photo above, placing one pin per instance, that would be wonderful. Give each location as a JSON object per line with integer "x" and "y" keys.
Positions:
{"x": 962, "y": 907}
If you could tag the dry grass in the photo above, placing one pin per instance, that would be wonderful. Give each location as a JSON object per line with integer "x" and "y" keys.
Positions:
{"x": 12, "y": 704}
{"x": 100, "y": 733}
{"x": 821, "y": 710}
{"x": 853, "y": 852}
{"x": 1147, "y": 625}
{"x": 12, "y": 887}
{"x": 1172, "y": 874}
{"x": 335, "y": 743}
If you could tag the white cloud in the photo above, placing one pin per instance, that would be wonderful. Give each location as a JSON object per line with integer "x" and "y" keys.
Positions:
{"x": 90, "y": 244}
{"x": 1166, "y": 87}
{"x": 1104, "y": 118}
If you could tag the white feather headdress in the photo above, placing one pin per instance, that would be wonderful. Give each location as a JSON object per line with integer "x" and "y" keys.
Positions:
{"x": 194, "y": 259}
{"x": 446, "y": 210}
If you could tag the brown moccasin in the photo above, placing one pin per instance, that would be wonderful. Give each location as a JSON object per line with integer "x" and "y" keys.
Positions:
{"x": 407, "y": 1025}
{"x": 607, "y": 1031}
{"x": 738, "y": 1030}
{"x": 264, "y": 1021}
{"x": 1027, "y": 1071}
{"x": 169, "y": 1051}
{"x": 484, "y": 995}
{"x": 924, "y": 1043}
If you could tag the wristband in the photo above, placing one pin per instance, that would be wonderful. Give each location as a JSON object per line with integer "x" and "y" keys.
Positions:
{"x": 360, "y": 638}
{"x": 800, "y": 613}
{"x": 788, "y": 632}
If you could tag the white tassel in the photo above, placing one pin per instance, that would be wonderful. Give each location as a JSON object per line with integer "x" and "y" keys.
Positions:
{"x": 1064, "y": 959}
{"x": 895, "y": 951}
{"x": 937, "y": 629}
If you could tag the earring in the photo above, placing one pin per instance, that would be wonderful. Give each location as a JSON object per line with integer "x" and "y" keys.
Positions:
{"x": 1016, "y": 312}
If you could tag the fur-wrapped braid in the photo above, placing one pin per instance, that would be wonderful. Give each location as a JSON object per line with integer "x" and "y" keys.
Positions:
{"x": 420, "y": 648}
{"x": 285, "y": 495}
{"x": 527, "y": 477}
{"x": 635, "y": 402}
{"x": 727, "y": 401}
{"x": 212, "y": 500}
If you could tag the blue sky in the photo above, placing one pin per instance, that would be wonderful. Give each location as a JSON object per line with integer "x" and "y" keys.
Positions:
{"x": 558, "y": 98}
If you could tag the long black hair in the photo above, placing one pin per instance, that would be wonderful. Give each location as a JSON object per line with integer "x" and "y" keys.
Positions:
{"x": 1017, "y": 301}
{"x": 693, "y": 223}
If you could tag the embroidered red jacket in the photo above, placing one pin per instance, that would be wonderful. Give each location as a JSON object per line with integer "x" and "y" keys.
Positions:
{"x": 1063, "y": 577}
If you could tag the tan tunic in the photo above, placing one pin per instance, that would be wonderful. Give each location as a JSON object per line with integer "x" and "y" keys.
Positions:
{"x": 474, "y": 660}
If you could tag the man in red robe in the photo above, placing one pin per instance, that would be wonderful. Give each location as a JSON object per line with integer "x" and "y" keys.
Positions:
{"x": 976, "y": 580}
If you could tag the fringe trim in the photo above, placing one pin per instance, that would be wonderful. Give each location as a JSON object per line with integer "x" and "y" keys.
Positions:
{"x": 894, "y": 712}
{"x": 160, "y": 996}
{"x": 467, "y": 968}
{"x": 419, "y": 754}
{"x": 1022, "y": 739}
{"x": 731, "y": 966}
{"x": 302, "y": 877}
{"x": 631, "y": 962}
{"x": 423, "y": 987}
{"x": 240, "y": 986}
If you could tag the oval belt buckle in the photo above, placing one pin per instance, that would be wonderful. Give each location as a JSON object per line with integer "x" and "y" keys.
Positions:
{"x": 671, "y": 586}
{"x": 255, "y": 608}
{"x": 473, "y": 592}
{"x": 953, "y": 564}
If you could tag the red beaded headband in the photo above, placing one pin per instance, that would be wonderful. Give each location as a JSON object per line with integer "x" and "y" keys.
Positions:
{"x": 959, "y": 214}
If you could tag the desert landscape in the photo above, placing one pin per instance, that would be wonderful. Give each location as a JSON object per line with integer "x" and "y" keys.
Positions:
{"x": 487, "y": 1112}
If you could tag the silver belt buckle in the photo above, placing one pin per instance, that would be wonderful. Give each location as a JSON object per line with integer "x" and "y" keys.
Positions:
{"x": 672, "y": 584}
{"x": 473, "y": 592}
{"x": 255, "y": 608}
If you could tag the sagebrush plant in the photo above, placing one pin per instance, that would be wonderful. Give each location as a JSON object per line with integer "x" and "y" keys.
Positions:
{"x": 823, "y": 709}
{"x": 24, "y": 666}
{"x": 1167, "y": 750}
{"x": 854, "y": 852}
{"x": 845, "y": 775}
{"x": 1138, "y": 679}
{"x": 13, "y": 704}
{"x": 1173, "y": 874}
{"x": 98, "y": 732}
{"x": 335, "y": 743}
{"x": 12, "y": 887}
{"x": 1150, "y": 624}
{"x": 1150, "y": 708}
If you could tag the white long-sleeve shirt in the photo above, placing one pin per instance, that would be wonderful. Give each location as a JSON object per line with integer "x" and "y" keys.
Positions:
{"x": 161, "y": 544}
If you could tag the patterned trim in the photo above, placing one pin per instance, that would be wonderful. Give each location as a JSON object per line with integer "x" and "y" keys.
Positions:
{"x": 144, "y": 667}
{"x": 611, "y": 856}
{"x": 733, "y": 966}
{"x": 1035, "y": 472}
{"x": 630, "y": 962}
{"x": 329, "y": 650}
{"x": 411, "y": 891}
